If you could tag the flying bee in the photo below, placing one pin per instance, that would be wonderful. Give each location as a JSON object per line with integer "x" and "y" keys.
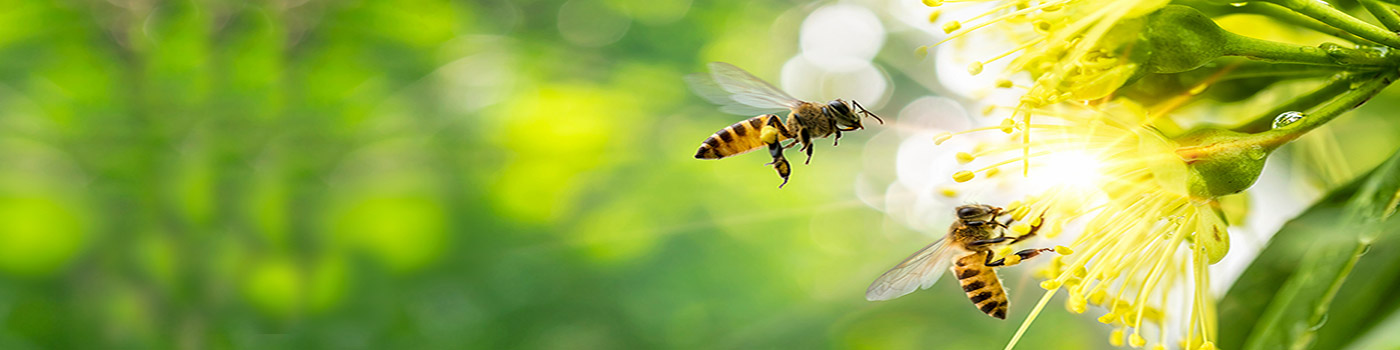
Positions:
{"x": 729, "y": 85}
{"x": 968, "y": 246}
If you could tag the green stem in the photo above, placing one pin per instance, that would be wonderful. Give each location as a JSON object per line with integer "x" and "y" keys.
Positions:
{"x": 1355, "y": 98}
{"x": 1267, "y": 141}
{"x": 1383, "y": 14}
{"x": 1239, "y": 45}
{"x": 1336, "y": 18}
{"x": 1290, "y": 17}
{"x": 1301, "y": 103}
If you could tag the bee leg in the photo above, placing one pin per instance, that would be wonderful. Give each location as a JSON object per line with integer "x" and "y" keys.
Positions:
{"x": 779, "y": 162}
{"x": 807, "y": 145}
{"x": 1024, "y": 254}
{"x": 836, "y": 142}
{"x": 984, "y": 242}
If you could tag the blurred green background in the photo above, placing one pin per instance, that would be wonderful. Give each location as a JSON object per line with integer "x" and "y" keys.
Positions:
{"x": 432, "y": 174}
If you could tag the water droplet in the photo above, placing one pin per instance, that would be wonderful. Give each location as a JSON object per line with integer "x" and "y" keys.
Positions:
{"x": 1238, "y": 4}
{"x": 1287, "y": 118}
{"x": 1257, "y": 152}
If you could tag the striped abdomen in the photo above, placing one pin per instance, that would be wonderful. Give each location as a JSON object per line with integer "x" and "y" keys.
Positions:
{"x": 981, "y": 284}
{"x": 737, "y": 139}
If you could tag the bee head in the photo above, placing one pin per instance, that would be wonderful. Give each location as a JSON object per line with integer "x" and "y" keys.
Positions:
{"x": 977, "y": 214}
{"x": 843, "y": 114}
{"x": 847, "y": 117}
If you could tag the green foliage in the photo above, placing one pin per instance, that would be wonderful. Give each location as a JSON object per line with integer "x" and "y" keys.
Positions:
{"x": 1343, "y": 284}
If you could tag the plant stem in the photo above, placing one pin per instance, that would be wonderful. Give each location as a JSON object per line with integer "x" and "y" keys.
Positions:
{"x": 1239, "y": 45}
{"x": 1355, "y": 98}
{"x": 1283, "y": 14}
{"x": 1301, "y": 103}
{"x": 1383, "y": 14}
{"x": 1336, "y": 18}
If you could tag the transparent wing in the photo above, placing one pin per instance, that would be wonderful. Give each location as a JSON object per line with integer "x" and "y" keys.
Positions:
{"x": 744, "y": 88}
{"x": 918, "y": 271}
{"x": 704, "y": 86}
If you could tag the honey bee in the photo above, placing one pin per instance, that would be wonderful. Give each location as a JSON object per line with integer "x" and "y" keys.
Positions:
{"x": 734, "y": 87}
{"x": 968, "y": 246}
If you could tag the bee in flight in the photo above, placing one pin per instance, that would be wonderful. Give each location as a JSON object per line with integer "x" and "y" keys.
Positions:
{"x": 732, "y": 86}
{"x": 968, "y": 246}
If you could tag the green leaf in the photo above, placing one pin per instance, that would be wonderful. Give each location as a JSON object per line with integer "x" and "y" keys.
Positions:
{"x": 1297, "y": 294}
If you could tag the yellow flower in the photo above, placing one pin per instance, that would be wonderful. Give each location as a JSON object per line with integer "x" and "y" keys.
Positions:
{"x": 1143, "y": 234}
{"x": 1073, "y": 50}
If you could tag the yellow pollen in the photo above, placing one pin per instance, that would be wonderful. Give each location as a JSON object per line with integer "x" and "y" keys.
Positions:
{"x": 1021, "y": 228}
{"x": 1115, "y": 337}
{"x": 933, "y": 16}
{"x": 1159, "y": 347}
{"x": 1008, "y": 125}
{"x": 1050, "y": 285}
{"x": 948, "y": 192}
{"x": 1076, "y": 303}
{"x": 986, "y": 111}
{"x": 1004, "y": 83}
{"x": 768, "y": 135}
{"x": 951, "y": 26}
{"x": 1108, "y": 318}
{"x": 1036, "y": 221}
{"x": 1073, "y": 281}
{"x": 991, "y": 172}
{"x": 964, "y": 157}
{"x": 974, "y": 68}
{"x": 921, "y": 51}
{"x": 1063, "y": 250}
{"x": 1098, "y": 297}
{"x": 1020, "y": 213}
{"x": 1078, "y": 271}
{"x": 1136, "y": 340}
{"x": 963, "y": 176}
{"x": 933, "y": 3}
{"x": 1012, "y": 259}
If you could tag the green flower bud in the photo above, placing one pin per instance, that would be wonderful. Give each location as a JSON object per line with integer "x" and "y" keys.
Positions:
{"x": 1222, "y": 162}
{"x": 1181, "y": 39}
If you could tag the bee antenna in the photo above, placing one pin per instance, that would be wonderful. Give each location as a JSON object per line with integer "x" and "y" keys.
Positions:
{"x": 866, "y": 112}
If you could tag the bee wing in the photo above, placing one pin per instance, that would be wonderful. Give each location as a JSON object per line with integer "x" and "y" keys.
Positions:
{"x": 741, "y": 87}
{"x": 918, "y": 271}
{"x": 705, "y": 86}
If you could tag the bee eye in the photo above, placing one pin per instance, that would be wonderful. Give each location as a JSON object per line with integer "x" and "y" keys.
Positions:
{"x": 967, "y": 212}
{"x": 839, "y": 107}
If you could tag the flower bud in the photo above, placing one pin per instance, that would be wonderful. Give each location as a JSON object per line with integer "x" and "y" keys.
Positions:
{"x": 1222, "y": 162}
{"x": 1181, "y": 39}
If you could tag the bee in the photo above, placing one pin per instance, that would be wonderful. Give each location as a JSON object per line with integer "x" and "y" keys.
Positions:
{"x": 736, "y": 88}
{"x": 968, "y": 247}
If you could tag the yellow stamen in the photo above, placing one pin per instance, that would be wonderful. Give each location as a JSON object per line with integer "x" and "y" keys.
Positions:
{"x": 963, "y": 176}
{"x": 1063, "y": 250}
{"x": 950, "y": 27}
{"x": 964, "y": 157}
